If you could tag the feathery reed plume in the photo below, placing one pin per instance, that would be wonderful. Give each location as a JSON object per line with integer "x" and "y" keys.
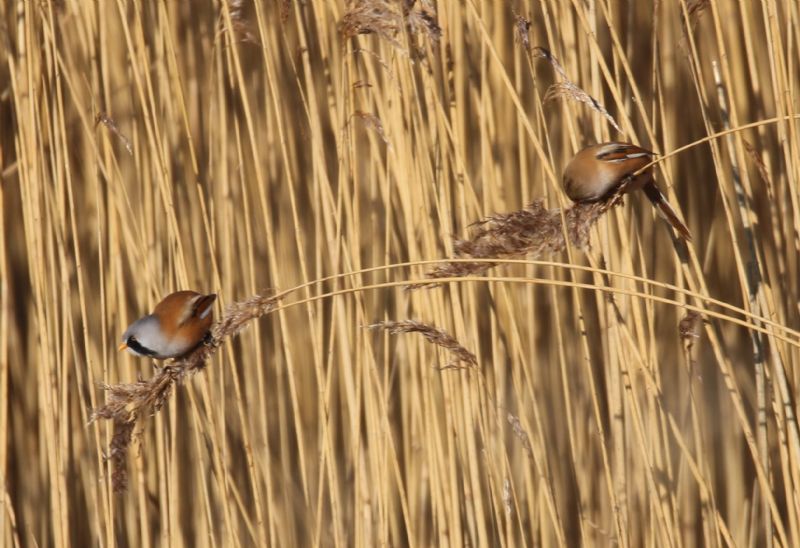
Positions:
{"x": 545, "y": 54}
{"x": 103, "y": 118}
{"x": 434, "y": 335}
{"x": 374, "y": 123}
{"x": 533, "y": 231}
{"x": 569, "y": 90}
{"x": 689, "y": 331}
{"x": 127, "y": 403}
{"x": 507, "y": 498}
{"x": 423, "y": 20}
{"x": 285, "y": 7}
{"x": 694, "y": 10}
{"x": 696, "y": 7}
{"x": 386, "y": 18}
{"x": 689, "y": 328}
{"x": 521, "y": 434}
{"x": 759, "y": 163}
{"x": 240, "y": 25}
{"x": 774, "y": 214}
{"x": 372, "y": 17}
{"x": 523, "y": 28}
{"x": 382, "y": 62}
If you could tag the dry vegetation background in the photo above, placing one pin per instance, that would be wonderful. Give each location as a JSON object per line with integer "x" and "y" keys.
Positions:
{"x": 248, "y": 148}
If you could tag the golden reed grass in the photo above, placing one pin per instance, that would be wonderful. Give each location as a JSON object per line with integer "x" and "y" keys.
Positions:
{"x": 630, "y": 391}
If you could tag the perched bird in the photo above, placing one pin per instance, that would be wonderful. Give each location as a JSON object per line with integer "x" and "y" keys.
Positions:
{"x": 597, "y": 170}
{"x": 178, "y": 324}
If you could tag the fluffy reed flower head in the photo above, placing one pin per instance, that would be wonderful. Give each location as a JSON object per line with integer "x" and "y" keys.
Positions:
{"x": 530, "y": 232}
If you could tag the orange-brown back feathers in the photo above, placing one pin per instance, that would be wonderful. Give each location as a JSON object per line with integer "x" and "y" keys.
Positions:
{"x": 186, "y": 314}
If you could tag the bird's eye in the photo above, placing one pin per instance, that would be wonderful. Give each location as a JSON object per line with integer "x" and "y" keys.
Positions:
{"x": 131, "y": 339}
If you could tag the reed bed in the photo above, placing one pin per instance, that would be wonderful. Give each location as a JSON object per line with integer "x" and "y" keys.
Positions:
{"x": 535, "y": 374}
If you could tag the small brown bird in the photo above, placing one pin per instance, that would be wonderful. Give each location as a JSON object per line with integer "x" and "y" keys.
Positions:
{"x": 178, "y": 324}
{"x": 597, "y": 170}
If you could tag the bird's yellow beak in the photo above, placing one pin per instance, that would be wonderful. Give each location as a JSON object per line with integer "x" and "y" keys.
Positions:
{"x": 122, "y": 347}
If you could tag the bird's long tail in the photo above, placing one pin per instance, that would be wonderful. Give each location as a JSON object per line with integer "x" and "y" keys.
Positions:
{"x": 665, "y": 210}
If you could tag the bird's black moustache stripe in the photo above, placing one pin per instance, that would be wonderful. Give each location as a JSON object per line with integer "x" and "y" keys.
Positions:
{"x": 137, "y": 347}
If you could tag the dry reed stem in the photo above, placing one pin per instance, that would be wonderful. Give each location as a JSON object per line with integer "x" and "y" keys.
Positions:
{"x": 533, "y": 231}
{"x": 434, "y": 335}
{"x": 127, "y": 403}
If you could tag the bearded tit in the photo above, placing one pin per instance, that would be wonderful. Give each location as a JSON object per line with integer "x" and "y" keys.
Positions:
{"x": 597, "y": 170}
{"x": 177, "y": 326}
